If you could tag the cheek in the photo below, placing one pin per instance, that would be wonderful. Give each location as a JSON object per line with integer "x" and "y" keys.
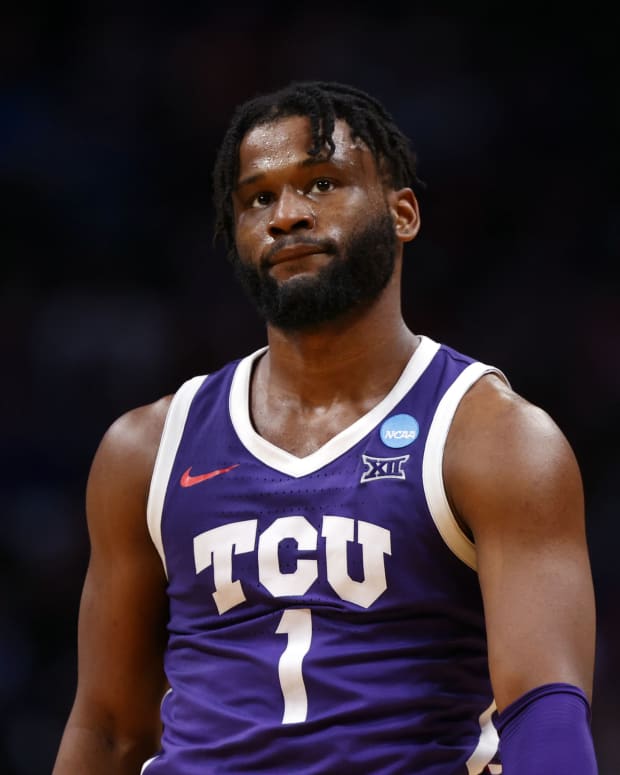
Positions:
{"x": 249, "y": 236}
{"x": 360, "y": 204}
{"x": 347, "y": 218}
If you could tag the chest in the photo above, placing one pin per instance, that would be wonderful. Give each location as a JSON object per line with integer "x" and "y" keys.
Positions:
{"x": 354, "y": 535}
{"x": 301, "y": 432}
{"x": 329, "y": 510}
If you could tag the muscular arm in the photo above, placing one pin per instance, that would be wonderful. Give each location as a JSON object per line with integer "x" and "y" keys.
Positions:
{"x": 514, "y": 481}
{"x": 114, "y": 724}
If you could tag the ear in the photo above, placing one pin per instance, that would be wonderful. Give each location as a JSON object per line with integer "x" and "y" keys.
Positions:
{"x": 405, "y": 212}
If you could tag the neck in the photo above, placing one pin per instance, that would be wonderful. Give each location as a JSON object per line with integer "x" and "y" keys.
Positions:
{"x": 362, "y": 352}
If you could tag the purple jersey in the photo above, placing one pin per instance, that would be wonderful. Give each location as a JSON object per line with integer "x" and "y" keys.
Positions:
{"x": 325, "y": 611}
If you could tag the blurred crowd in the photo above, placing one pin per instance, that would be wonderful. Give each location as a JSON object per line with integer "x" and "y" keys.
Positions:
{"x": 112, "y": 291}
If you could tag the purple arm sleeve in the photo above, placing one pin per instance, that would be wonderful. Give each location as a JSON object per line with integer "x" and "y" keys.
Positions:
{"x": 547, "y": 731}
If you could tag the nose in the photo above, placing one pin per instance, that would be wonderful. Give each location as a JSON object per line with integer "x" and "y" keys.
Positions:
{"x": 292, "y": 212}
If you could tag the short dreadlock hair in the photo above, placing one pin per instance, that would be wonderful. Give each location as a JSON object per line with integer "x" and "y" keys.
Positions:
{"x": 322, "y": 102}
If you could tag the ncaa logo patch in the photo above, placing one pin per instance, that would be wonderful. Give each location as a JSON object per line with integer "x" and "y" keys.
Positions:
{"x": 399, "y": 431}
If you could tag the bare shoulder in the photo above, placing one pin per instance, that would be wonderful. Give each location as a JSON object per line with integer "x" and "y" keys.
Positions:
{"x": 138, "y": 431}
{"x": 121, "y": 470}
{"x": 506, "y": 455}
{"x": 491, "y": 412}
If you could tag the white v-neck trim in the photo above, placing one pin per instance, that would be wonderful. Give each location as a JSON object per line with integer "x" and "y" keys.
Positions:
{"x": 285, "y": 462}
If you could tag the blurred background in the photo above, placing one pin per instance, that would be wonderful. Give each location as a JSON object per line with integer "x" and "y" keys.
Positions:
{"x": 112, "y": 293}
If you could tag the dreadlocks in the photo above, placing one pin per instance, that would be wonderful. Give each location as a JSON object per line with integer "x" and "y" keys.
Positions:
{"x": 322, "y": 102}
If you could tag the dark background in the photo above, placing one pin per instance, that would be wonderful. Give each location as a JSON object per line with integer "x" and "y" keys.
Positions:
{"x": 112, "y": 294}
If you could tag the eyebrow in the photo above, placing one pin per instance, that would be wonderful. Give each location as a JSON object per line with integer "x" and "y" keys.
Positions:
{"x": 311, "y": 161}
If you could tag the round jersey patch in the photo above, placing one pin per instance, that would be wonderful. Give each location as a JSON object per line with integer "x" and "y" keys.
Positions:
{"x": 399, "y": 430}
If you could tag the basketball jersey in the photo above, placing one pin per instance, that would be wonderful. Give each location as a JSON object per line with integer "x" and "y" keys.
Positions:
{"x": 325, "y": 611}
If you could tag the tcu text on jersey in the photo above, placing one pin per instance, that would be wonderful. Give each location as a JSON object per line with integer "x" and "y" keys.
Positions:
{"x": 216, "y": 547}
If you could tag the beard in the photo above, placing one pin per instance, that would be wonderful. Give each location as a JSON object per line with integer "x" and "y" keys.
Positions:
{"x": 355, "y": 276}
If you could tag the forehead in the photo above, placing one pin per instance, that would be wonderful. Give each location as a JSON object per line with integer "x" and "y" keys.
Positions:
{"x": 285, "y": 142}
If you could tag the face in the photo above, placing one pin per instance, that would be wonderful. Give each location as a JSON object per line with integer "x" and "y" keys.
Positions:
{"x": 315, "y": 237}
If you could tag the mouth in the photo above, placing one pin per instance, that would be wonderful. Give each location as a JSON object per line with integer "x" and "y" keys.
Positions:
{"x": 291, "y": 253}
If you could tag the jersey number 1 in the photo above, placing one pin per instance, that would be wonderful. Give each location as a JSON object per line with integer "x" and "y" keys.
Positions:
{"x": 297, "y": 624}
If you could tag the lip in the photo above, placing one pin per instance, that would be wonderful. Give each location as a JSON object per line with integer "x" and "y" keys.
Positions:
{"x": 293, "y": 252}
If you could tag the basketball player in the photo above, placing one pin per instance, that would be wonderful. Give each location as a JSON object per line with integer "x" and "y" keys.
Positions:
{"x": 355, "y": 551}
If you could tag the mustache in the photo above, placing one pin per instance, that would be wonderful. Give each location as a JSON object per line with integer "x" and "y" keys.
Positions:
{"x": 320, "y": 246}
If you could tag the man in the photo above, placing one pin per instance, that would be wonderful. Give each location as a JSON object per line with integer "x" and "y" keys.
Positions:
{"x": 354, "y": 551}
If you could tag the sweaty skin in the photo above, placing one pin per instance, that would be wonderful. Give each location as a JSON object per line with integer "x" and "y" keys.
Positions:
{"x": 509, "y": 472}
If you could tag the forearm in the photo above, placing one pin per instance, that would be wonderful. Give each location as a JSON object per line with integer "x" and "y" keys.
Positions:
{"x": 95, "y": 752}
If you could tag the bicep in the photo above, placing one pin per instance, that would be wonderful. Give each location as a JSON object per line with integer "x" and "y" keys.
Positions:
{"x": 520, "y": 493}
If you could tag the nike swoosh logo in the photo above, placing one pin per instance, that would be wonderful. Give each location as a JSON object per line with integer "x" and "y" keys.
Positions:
{"x": 187, "y": 480}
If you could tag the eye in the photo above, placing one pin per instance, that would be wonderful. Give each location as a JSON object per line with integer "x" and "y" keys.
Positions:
{"x": 262, "y": 199}
{"x": 322, "y": 186}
